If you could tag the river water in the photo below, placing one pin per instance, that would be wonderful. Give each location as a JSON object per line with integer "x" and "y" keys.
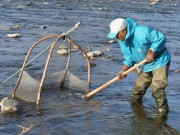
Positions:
{"x": 110, "y": 111}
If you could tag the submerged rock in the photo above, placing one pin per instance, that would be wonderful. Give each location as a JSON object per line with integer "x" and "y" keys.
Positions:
{"x": 16, "y": 35}
{"x": 94, "y": 54}
{"x": 93, "y": 64}
{"x": 1, "y": 5}
{"x": 108, "y": 50}
{"x": 91, "y": 54}
{"x": 89, "y": 49}
{"x": 43, "y": 27}
{"x": 63, "y": 46}
{"x": 9, "y": 105}
{"x": 60, "y": 5}
{"x": 153, "y": 2}
{"x": 14, "y": 27}
{"x": 93, "y": 58}
{"x": 97, "y": 53}
{"x": 29, "y": 4}
{"x": 176, "y": 71}
{"x": 62, "y": 52}
{"x": 21, "y": 7}
{"x": 75, "y": 47}
{"x": 111, "y": 41}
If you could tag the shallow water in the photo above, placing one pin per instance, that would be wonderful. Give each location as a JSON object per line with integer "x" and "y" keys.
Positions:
{"x": 63, "y": 112}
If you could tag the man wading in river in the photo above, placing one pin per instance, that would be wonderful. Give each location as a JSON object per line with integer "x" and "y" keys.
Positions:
{"x": 138, "y": 42}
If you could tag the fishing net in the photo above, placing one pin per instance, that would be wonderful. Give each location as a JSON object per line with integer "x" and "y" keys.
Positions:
{"x": 58, "y": 76}
{"x": 28, "y": 87}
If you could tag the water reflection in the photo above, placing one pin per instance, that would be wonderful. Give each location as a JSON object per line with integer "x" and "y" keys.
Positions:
{"x": 141, "y": 118}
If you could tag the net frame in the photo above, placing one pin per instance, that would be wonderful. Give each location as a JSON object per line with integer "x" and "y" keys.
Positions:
{"x": 57, "y": 37}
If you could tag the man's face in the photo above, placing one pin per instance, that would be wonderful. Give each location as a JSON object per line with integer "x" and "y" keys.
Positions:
{"x": 122, "y": 35}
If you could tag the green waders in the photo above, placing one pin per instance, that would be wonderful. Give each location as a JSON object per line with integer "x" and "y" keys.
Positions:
{"x": 158, "y": 80}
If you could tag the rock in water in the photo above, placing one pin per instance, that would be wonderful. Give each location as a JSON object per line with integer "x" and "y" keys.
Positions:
{"x": 9, "y": 105}
{"x": 62, "y": 52}
{"x": 16, "y": 35}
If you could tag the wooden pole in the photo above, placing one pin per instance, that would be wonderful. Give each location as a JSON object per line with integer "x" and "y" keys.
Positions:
{"x": 73, "y": 28}
{"x": 67, "y": 65}
{"x": 87, "y": 59}
{"x": 27, "y": 56}
{"x": 45, "y": 70}
{"x": 93, "y": 92}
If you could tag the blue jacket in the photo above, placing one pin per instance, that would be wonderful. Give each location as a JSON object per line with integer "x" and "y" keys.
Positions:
{"x": 138, "y": 40}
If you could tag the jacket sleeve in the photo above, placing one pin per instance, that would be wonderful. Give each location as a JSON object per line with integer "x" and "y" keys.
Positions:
{"x": 128, "y": 61}
{"x": 157, "y": 40}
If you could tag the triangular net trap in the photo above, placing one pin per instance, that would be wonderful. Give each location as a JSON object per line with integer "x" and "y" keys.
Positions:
{"x": 30, "y": 84}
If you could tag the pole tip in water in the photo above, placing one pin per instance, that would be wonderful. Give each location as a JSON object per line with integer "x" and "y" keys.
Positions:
{"x": 83, "y": 96}
{"x": 77, "y": 25}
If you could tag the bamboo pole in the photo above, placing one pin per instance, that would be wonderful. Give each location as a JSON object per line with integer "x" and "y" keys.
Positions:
{"x": 27, "y": 56}
{"x": 29, "y": 52}
{"x": 70, "y": 30}
{"x": 67, "y": 65}
{"x": 45, "y": 70}
{"x": 93, "y": 92}
{"x": 87, "y": 59}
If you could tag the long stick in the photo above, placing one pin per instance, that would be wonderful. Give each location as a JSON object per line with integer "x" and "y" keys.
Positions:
{"x": 67, "y": 65}
{"x": 27, "y": 56}
{"x": 70, "y": 30}
{"x": 45, "y": 70}
{"x": 26, "y": 64}
{"x": 93, "y": 92}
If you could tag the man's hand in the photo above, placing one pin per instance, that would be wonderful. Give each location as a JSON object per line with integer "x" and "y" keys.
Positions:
{"x": 120, "y": 74}
{"x": 150, "y": 56}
